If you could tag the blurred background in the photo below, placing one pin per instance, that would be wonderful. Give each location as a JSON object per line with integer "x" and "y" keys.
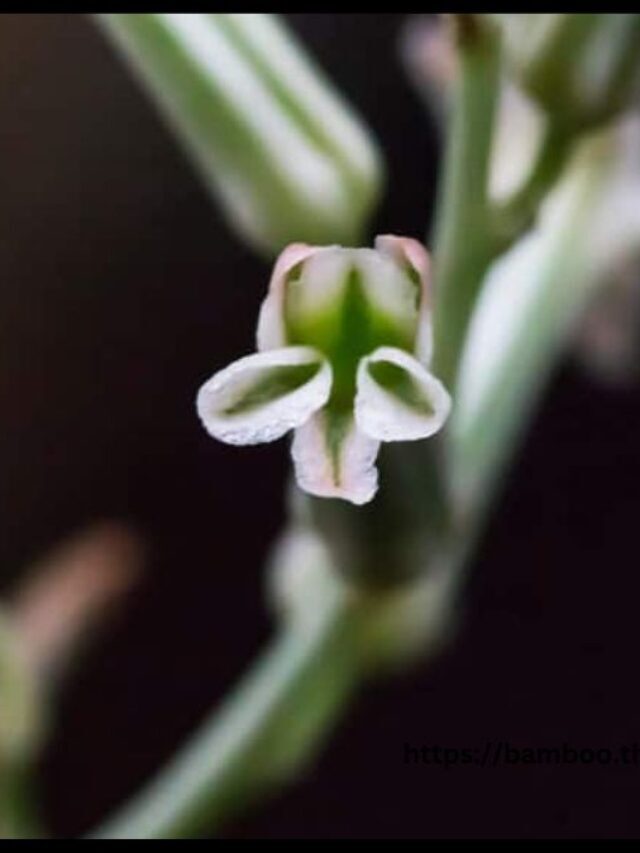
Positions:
{"x": 121, "y": 290}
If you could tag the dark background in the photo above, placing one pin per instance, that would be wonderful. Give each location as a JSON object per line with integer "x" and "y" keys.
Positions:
{"x": 121, "y": 289}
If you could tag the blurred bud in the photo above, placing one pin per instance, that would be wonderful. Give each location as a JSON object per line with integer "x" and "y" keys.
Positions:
{"x": 46, "y": 620}
{"x": 429, "y": 56}
{"x": 344, "y": 345}
{"x": 68, "y": 594}
{"x": 300, "y": 574}
{"x": 430, "y": 60}
{"x": 276, "y": 143}
{"x": 581, "y": 68}
{"x": 518, "y": 133}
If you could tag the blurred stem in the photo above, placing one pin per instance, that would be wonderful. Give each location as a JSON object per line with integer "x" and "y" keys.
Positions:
{"x": 389, "y": 541}
{"x": 463, "y": 240}
{"x": 486, "y": 427}
{"x": 260, "y": 735}
{"x": 46, "y": 622}
{"x": 20, "y": 730}
{"x": 470, "y": 230}
{"x": 17, "y": 816}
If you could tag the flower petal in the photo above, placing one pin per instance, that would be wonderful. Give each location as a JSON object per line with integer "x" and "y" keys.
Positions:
{"x": 406, "y": 250}
{"x": 271, "y": 332}
{"x": 397, "y": 399}
{"x": 410, "y": 253}
{"x": 315, "y": 300}
{"x": 347, "y": 471}
{"x": 391, "y": 293}
{"x": 261, "y": 397}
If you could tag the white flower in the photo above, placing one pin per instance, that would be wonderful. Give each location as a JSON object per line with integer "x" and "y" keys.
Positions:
{"x": 344, "y": 346}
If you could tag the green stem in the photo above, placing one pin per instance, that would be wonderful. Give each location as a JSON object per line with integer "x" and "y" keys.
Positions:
{"x": 389, "y": 541}
{"x": 487, "y": 423}
{"x": 471, "y": 231}
{"x": 260, "y": 735}
{"x": 463, "y": 245}
{"x": 17, "y": 810}
{"x": 21, "y": 728}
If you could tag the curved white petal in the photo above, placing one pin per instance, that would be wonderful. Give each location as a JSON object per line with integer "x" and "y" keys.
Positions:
{"x": 407, "y": 251}
{"x": 387, "y": 414}
{"x": 256, "y": 399}
{"x": 321, "y": 286}
{"x": 389, "y": 289}
{"x": 354, "y": 478}
{"x": 271, "y": 333}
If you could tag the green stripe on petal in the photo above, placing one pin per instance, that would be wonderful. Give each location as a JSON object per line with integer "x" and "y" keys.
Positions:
{"x": 333, "y": 459}
{"x": 393, "y": 293}
{"x": 314, "y": 297}
{"x": 397, "y": 398}
{"x": 414, "y": 259}
{"x": 271, "y": 384}
{"x": 402, "y": 384}
{"x": 261, "y": 397}
{"x": 347, "y": 303}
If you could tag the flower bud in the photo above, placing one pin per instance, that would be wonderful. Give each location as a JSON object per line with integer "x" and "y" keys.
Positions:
{"x": 344, "y": 346}
{"x": 281, "y": 151}
{"x": 582, "y": 68}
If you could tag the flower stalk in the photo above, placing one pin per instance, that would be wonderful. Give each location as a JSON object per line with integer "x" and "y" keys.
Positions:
{"x": 20, "y": 731}
{"x": 463, "y": 244}
{"x": 330, "y": 637}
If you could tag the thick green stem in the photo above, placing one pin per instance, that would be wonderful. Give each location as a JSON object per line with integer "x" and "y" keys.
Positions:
{"x": 260, "y": 735}
{"x": 17, "y": 811}
{"x": 20, "y": 733}
{"x": 272, "y": 725}
{"x": 463, "y": 244}
{"x": 396, "y": 537}
{"x": 493, "y": 407}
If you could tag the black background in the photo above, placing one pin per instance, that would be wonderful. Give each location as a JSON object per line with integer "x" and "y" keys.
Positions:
{"x": 121, "y": 289}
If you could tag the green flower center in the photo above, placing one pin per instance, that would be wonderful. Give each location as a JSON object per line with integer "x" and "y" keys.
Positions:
{"x": 345, "y": 330}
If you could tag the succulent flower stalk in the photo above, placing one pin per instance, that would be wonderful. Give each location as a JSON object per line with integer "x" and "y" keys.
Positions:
{"x": 344, "y": 346}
